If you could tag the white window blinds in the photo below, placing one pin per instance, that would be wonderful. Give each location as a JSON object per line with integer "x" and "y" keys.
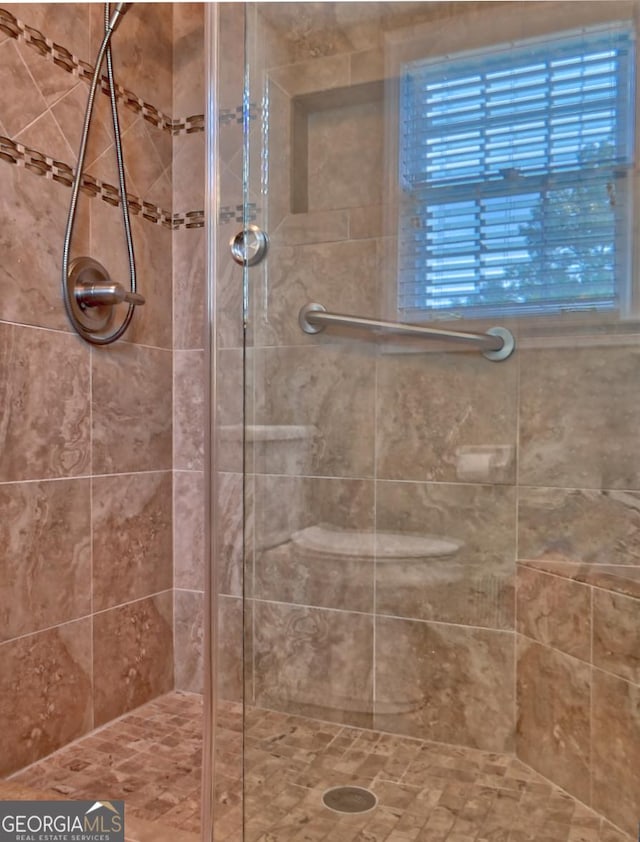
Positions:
{"x": 513, "y": 167}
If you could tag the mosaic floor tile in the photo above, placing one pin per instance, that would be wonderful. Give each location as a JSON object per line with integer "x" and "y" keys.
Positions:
{"x": 427, "y": 792}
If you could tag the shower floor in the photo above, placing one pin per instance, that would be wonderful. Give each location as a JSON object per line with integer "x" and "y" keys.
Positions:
{"x": 426, "y": 792}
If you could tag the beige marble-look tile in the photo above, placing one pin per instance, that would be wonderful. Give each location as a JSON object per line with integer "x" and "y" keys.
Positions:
{"x": 445, "y": 683}
{"x": 189, "y": 288}
{"x": 45, "y": 693}
{"x": 231, "y": 21}
{"x": 367, "y": 66}
{"x": 131, "y": 409}
{"x": 609, "y": 833}
{"x": 619, "y": 578}
{"x": 232, "y": 521}
{"x": 44, "y": 135}
{"x": 553, "y": 692}
{"x": 330, "y": 28}
{"x": 229, "y": 300}
{"x": 273, "y": 768}
{"x": 590, "y": 526}
{"x": 326, "y": 394}
{"x": 132, "y": 655}
{"x": 230, "y": 413}
{"x": 234, "y": 639}
{"x": 189, "y": 641}
{"x": 317, "y": 74}
{"x": 52, "y": 81}
{"x": 105, "y": 169}
{"x": 370, "y": 221}
{"x": 69, "y": 111}
{"x": 616, "y": 748}
{"x": 439, "y": 413}
{"x": 346, "y": 155}
{"x": 34, "y": 212}
{"x": 143, "y": 51}
{"x": 459, "y": 542}
{"x": 188, "y": 530}
{"x": 152, "y": 322}
{"x": 189, "y": 410}
{"x": 66, "y": 24}
{"x": 577, "y": 417}
{"x": 288, "y": 182}
{"x": 315, "y": 662}
{"x": 314, "y": 542}
{"x": 343, "y": 276}
{"x": 44, "y": 392}
{"x": 189, "y": 172}
{"x": 142, "y": 155}
{"x": 132, "y": 529}
{"x": 45, "y": 555}
{"x": 188, "y": 59}
{"x": 160, "y": 193}
{"x": 554, "y": 611}
{"x": 616, "y": 634}
{"x": 299, "y": 229}
{"x": 20, "y": 99}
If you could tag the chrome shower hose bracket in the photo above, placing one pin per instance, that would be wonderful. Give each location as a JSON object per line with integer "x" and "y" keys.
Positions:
{"x": 92, "y": 296}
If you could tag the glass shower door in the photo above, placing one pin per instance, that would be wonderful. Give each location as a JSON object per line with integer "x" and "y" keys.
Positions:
{"x": 438, "y": 544}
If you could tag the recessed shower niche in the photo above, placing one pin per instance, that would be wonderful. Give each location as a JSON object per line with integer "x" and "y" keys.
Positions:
{"x": 337, "y": 158}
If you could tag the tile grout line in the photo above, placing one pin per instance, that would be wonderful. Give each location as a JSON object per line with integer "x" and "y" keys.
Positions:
{"x": 518, "y": 408}
{"x": 89, "y": 476}
{"x": 375, "y": 531}
{"x": 82, "y": 617}
{"x": 92, "y": 351}
{"x": 72, "y": 335}
{"x": 557, "y": 575}
{"x": 591, "y": 707}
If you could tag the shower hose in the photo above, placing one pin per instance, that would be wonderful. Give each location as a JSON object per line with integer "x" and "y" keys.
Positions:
{"x": 110, "y": 24}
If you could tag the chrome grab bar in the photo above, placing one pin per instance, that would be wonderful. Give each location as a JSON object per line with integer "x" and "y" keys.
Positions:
{"x": 496, "y": 344}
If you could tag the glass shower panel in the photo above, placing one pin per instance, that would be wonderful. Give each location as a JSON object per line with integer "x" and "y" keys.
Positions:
{"x": 440, "y": 567}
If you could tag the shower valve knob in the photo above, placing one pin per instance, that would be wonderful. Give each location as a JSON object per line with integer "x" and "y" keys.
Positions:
{"x": 96, "y": 295}
{"x": 91, "y": 294}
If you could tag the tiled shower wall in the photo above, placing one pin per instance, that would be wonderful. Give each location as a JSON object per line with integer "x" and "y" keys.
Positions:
{"x": 189, "y": 255}
{"x": 86, "y": 602}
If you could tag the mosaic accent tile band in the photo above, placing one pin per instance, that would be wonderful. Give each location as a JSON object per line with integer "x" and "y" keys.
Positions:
{"x": 48, "y": 49}
{"x": 40, "y": 164}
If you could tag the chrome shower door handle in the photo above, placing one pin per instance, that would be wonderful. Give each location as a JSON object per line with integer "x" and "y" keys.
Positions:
{"x": 249, "y": 246}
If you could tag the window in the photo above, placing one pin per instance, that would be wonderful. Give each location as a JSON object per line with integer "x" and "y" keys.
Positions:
{"x": 515, "y": 170}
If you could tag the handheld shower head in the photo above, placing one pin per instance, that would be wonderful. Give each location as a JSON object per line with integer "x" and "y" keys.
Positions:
{"x": 119, "y": 11}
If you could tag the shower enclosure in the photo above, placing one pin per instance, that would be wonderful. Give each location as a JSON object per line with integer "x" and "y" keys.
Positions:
{"x": 409, "y": 301}
{"x": 426, "y": 561}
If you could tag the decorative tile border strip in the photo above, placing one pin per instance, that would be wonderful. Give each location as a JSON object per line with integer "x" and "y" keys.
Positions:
{"x": 34, "y": 161}
{"x": 60, "y": 56}
{"x": 230, "y": 213}
{"x": 229, "y": 116}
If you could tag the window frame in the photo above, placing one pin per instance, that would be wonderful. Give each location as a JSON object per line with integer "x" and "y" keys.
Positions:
{"x": 407, "y": 46}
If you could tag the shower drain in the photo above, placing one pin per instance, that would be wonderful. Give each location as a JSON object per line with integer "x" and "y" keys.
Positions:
{"x": 349, "y": 799}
